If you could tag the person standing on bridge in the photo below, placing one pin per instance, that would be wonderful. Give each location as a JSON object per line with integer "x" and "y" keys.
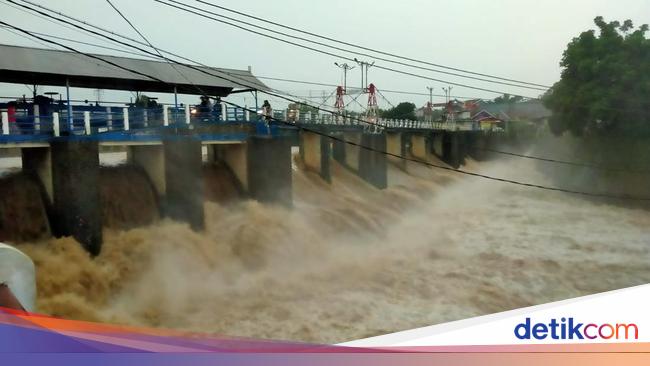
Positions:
{"x": 11, "y": 112}
{"x": 217, "y": 109}
{"x": 267, "y": 111}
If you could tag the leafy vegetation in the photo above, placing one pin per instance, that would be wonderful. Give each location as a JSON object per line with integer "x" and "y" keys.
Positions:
{"x": 605, "y": 84}
{"x": 403, "y": 110}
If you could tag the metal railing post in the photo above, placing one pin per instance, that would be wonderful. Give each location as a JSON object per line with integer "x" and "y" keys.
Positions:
{"x": 109, "y": 118}
{"x": 87, "y": 122}
{"x": 55, "y": 124}
{"x": 125, "y": 111}
{"x": 187, "y": 114}
{"x": 224, "y": 112}
{"x": 37, "y": 117}
{"x": 5, "y": 123}
{"x": 165, "y": 115}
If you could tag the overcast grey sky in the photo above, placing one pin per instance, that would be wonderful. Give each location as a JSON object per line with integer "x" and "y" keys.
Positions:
{"x": 519, "y": 39}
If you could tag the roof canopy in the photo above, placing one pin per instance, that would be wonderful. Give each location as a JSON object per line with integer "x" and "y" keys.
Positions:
{"x": 26, "y": 65}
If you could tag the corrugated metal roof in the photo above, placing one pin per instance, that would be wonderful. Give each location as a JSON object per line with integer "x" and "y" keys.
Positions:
{"x": 26, "y": 65}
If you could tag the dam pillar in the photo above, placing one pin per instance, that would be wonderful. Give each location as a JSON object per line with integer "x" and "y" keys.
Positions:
{"x": 183, "y": 170}
{"x": 437, "y": 143}
{"x": 478, "y": 144}
{"x": 395, "y": 146}
{"x": 151, "y": 158}
{"x": 338, "y": 148}
{"x": 352, "y": 151}
{"x": 462, "y": 146}
{"x": 76, "y": 207}
{"x": 37, "y": 162}
{"x": 420, "y": 147}
{"x": 235, "y": 157}
{"x": 450, "y": 149}
{"x": 315, "y": 153}
{"x": 373, "y": 164}
{"x": 269, "y": 172}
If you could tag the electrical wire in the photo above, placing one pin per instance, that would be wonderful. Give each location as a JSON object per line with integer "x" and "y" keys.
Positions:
{"x": 366, "y": 48}
{"x": 355, "y": 52}
{"x": 484, "y": 176}
{"x": 175, "y": 54}
{"x": 335, "y": 112}
{"x": 337, "y": 55}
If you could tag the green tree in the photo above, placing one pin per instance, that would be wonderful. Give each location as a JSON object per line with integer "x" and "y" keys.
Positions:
{"x": 605, "y": 84}
{"x": 403, "y": 110}
{"x": 507, "y": 99}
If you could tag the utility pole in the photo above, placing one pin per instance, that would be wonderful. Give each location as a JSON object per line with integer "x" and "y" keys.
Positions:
{"x": 448, "y": 93}
{"x": 450, "y": 107}
{"x": 430, "y": 105}
{"x": 345, "y": 68}
{"x": 364, "y": 73}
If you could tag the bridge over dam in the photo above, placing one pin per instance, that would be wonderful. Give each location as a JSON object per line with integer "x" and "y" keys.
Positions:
{"x": 60, "y": 144}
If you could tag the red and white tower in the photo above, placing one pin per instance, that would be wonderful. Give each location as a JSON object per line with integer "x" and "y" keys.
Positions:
{"x": 340, "y": 104}
{"x": 371, "y": 113}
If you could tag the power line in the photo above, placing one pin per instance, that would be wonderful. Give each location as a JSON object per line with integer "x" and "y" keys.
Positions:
{"x": 366, "y": 48}
{"x": 169, "y": 52}
{"x": 22, "y": 9}
{"x": 503, "y": 180}
{"x": 79, "y": 52}
{"x": 355, "y": 52}
{"x": 245, "y": 83}
{"x": 333, "y": 54}
{"x": 90, "y": 44}
{"x": 151, "y": 45}
{"x": 302, "y": 103}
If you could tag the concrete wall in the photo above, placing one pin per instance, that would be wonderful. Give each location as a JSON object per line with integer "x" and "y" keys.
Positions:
{"x": 352, "y": 151}
{"x": 152, "y": 159}
{"x": 373, "y": 164}
{"x": 269, "y": 170}
{"x": 437, "y": 142}
{"x": 184, "y": 181}
{"x": 37, "y": 161}
{"x": 338, "y": 148}
{"x": 75, "y": 186}
{"x": 451, "y": 149}
{"x": 395, "y": 144}
{"x": 420, "y": 146}
{"x": 236, "y": 158}
{"x": 315, "y": 153}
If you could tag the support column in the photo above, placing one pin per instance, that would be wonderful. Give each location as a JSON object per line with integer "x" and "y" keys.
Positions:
{"x": 235, "y": 156}
{"x": 184, "y": 181}
{"x": 395, "y": 145}
{"x": 338, "y": 149}
{"x": 450, "y": 149}
{"x": 269, "y": 170}
{"x": 315, "y": 153}
{"x": 75, "y": 187}
{"x": 462, "y": 146}
{"x": 373, "y": 164}
{"x": 352, "y": 152}
{"x": 151, "y": 158}
{"x": 419, "y": 147}
{"x": 480, "y": 144}
{"x": 437, "y": 143}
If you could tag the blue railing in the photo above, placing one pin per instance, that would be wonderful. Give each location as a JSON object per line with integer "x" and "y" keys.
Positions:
{"x": 93, "y": 120}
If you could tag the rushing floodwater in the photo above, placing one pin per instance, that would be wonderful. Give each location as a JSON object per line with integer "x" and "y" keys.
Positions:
{"x": 350, "y": 261}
